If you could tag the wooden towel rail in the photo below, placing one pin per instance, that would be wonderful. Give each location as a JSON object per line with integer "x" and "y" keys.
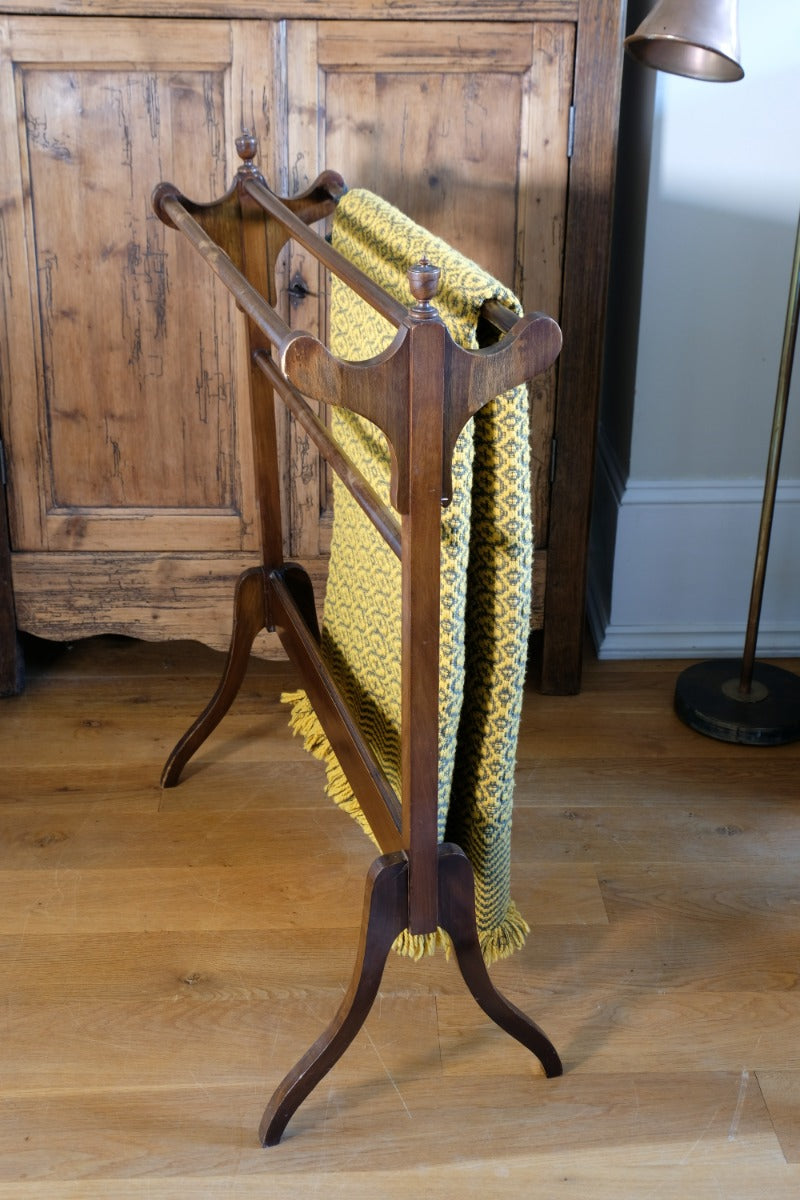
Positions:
{"x": 420, "y": 392}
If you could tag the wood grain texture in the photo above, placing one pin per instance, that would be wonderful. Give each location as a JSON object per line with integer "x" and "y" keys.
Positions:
{"x": 165, "y": 957}
{"x": 781, "y": 1091}
{"x": 156, "y": 596}
{"x": 119, "y": 395}
{"x": 159, "y": 597}
{"x": 118, "y": 435}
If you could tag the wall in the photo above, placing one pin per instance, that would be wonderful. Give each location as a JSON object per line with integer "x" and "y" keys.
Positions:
{"x": 707, "y": 204}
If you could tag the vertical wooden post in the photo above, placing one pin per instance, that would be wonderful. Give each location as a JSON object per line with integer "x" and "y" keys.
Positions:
{"x": 421, "y": 544}
{"x": 258, "y": 265}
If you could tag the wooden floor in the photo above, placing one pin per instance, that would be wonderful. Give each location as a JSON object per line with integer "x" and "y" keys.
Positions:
{"x": 167, "y": 957}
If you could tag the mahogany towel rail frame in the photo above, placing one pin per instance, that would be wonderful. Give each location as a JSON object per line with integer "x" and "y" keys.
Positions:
{"x": 420, "y": 393}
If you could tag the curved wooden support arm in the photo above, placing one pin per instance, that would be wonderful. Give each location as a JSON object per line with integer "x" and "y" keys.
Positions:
{"x": 532, "y": 345}
{"x": 477, "y": 376}
{"x": 376, "y": 389}
{"x": 319, "y": 200}
{"x": 362, "y": 491}
{"x": 222, "y": 220}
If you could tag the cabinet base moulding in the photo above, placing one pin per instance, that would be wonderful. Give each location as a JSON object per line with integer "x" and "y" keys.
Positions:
{"x": 156, "y": 597}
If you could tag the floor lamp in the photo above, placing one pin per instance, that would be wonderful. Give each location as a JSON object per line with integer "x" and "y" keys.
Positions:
{"x": 733, "y": 700}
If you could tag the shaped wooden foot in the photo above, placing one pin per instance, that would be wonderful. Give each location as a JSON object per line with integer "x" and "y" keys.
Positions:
{"x": 249, "y": 618}
{"x": 385, "y": 917}
{"x": 457, "y": 917}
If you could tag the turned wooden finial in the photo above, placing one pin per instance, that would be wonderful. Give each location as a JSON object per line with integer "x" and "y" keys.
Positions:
{"x": 423, "y": 279}
{"x": 246, "y": 148}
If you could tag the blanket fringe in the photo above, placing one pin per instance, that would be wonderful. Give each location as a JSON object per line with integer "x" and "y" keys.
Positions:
{"x": 304, "y": 723}
{"x": 418, "y": 945}
{"x": 506, "y": 938}
{"x": 497, "y": 943}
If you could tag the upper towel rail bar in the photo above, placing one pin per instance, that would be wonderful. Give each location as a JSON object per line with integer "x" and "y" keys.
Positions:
{"x": 253, "y": 303}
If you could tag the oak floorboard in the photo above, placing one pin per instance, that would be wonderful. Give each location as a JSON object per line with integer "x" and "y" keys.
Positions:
{"x": 256, "y": 785}
{"x": 628, "y": 779}
{"x": 167, "y": 956}
{"x": 77, "y": 839}
{"x": 601, "y": 1031}
{"x": 147, "y": 738}
{"x": 465, "y": 1121}
{"x": 720, "y": 830}
{"x": 237, "y": 965}
{"x": 781, "y": 1092}
{"x": 115, "y": 900}
{"x": 186, "y": 1041}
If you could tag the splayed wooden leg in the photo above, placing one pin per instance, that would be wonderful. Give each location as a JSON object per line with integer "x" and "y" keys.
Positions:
{"x": 249, "y": 618}
{"x": 457, "y": 917}
{"x": 385, "y": 917}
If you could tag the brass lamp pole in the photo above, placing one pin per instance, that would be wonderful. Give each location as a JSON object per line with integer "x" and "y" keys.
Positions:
{"x": 730, "y": 699}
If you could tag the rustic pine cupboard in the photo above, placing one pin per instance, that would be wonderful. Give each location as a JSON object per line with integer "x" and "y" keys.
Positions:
{"x": 130, "y": 505}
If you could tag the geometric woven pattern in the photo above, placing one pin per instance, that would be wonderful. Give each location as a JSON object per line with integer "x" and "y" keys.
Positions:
{"x": 486, "y": 561}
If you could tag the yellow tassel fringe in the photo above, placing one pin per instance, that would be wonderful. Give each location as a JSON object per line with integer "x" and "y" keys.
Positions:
{"x": 506, "y": 938}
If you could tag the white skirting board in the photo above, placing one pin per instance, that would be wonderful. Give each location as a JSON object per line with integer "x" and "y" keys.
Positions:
{"x": 671, "y": 567}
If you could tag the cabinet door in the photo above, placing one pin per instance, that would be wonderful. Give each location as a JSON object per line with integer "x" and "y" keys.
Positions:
{"x": 464, "y": 126}
{"x": 123, "y": 369}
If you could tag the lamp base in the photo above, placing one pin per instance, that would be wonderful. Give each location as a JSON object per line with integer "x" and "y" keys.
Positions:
{"x": 707, "y": 699}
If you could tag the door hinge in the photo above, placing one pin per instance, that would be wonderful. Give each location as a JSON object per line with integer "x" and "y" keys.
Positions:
{"x": 553, "y": 456}
{"x": 571, "y": 131}
{"x": 3, "y": 476}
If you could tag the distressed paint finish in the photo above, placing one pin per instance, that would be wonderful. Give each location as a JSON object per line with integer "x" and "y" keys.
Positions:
{"x": 131, "y": 422}
{"x": 158, "y": 597}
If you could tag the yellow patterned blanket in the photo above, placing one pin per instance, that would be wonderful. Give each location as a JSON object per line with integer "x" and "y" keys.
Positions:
{"x": 486, "y": 561}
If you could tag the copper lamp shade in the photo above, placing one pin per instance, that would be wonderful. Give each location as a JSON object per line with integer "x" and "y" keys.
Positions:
{"x": 696, "y": 38}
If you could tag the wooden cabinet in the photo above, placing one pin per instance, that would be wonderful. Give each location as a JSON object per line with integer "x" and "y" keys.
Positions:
{"x": 123, "y": 402}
